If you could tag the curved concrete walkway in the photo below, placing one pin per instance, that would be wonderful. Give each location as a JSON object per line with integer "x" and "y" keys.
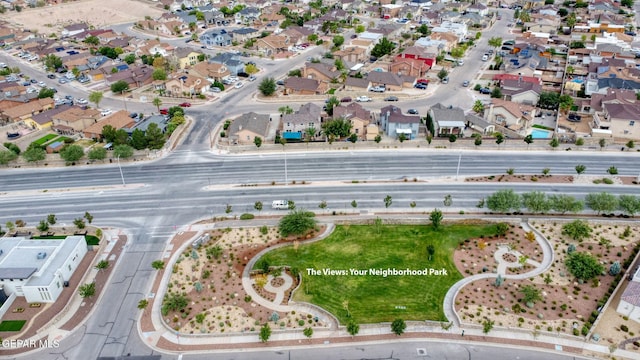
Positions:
{"x": 547, "y": 260}
{"x": 316, "y": 311}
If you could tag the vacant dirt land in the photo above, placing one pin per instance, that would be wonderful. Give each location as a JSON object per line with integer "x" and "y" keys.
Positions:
{"x": 99, "y": 13}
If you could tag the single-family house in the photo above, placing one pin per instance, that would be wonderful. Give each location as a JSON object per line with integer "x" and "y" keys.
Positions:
{"x": 74, "y": 29}
{"x": 230, "y": 61}
{"x": 359, "y": 117}
{"x": 272, "y": 44}
{"x": 352, "y": 54}
{"x": 118, "y": 120}
{"x": 136, "y": 76}
{"x": 303, "y": 86}
{"x": 478, "y": 8}
{"x": 523, "y": 92}
{"x": 415, "y": 52}
{"x": 247, "y": 15}
{"x": 25, "y": 111}
{"x": 142, "y": 125}
{"x": 306, "y": 122}
{"x": 408, "y": 67}
{"x": 390, "y": 81}
{"x": 394, "y": 123}
{"x": 447, "y": 120}
{"x": 320, "y": 71}
{"x": 243, "y": 34}
{"x": 213, "y": 71}
{"x": 356, "y": 84}
{"x": 513, "y": 116}
{"x": 74, "y": 120}
{"x": 186, "y": 85}
{"x": 619, "y": 119}
{"x": 249, "y": 126}
{"x": 186, "y": 57}
{"x": 215, "y": 37}
{"x": 44, "y": 119}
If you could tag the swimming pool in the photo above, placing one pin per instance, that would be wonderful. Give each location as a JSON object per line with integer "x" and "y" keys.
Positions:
{"x": 541, "y": 134}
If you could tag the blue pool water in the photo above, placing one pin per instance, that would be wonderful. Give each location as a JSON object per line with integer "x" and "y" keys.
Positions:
{"x": 540, "y": 134}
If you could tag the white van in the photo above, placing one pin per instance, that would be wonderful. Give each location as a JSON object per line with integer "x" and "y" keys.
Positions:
{"x": 280, "y": 204}
{"x": 485, "y": 57}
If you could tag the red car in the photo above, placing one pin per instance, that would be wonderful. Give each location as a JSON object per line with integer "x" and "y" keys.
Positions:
{"x": 164, "y": 111}
{"x": 185, "y": 104}
{"x": 422, "y": 81}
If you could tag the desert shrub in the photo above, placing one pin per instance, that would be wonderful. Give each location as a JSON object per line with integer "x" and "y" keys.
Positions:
{"x": 246, "y": 216}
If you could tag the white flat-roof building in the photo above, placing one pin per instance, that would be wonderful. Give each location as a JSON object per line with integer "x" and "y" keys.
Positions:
{"x": 38, "y": 269}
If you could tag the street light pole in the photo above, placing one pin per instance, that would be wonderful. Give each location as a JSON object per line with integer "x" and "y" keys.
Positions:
{"x": 119, "y": 167}
{"x": 458, "y": 169}
{"x": 286, "y": 179}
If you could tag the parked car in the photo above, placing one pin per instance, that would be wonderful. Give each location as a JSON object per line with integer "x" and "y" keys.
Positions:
{"x": 105, "y": 112}
{"x": 81, "y": 101}
{"x": 379, "y": 89}
{"x": 412, "y": 112}
{"x": 485, "y": 57}
{"x": 485, "y": 90}
{"x": 346, "y": 99}
{"x": 465, "y": 83}
{"x": 363, "y": 99}
{"x": 238, "y": 85}
{"x": 445, "y": 80}
{"x": 41, "y": 84}
{"x": 33, "y": 81}
{"x": 280, "y": 82}
{"x": 133, "y": 115}
{"x": 185, "y": 104}
{"x": 51, "y": 76}
{"x": 252, "y": 78}
{"x": 391, "y": 98}
{"x": 164, "y": 111}
{"x": 574, "y": 118}
{"x": 215, "y": 89}
{"x": 420, "y": 86}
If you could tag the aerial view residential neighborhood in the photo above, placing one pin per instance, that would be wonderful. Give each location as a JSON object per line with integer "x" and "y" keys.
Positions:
{"x": 325, "y": 179}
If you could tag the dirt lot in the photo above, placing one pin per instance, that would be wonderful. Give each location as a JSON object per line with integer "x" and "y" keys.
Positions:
{"x": 95, "y": 12}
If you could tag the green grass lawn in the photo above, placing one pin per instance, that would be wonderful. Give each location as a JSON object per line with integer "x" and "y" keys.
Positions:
{"x": 12, "y": 325}
{"x": 374, "y": 298}
{"x": 45, "y": 139}
{"x": 91, "y": 240}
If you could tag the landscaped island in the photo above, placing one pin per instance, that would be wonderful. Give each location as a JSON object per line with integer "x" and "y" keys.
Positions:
{"x": 345, "y": 273}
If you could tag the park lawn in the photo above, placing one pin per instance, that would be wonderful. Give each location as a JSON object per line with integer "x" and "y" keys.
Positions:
{"x": 12, "y": 325}
{"x": 374, "y": 298}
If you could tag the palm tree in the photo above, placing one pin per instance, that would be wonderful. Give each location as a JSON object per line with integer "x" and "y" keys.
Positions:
{"x": 157, "y": 102}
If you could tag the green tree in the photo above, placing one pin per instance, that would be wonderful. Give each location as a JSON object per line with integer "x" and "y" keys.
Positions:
{"x": 487, "y": 325}
{"x": 496, "y": 93}
{"x": 499, "y": 138}
{"x": 580, "y": 169}
{"x": 96, "y": 97}
{"x": 528, "y": 139}
{"x": 155, "y": 137}
{"x": 630, "y": 144}
{"x": 122, "y": 151}
{"x": 258, "y": 205}
{"x": 265, "y": 333}
{"x": 398, "y": 326}
{"x": 88, "y": 216}
{"x": 296, "y": 222}
{"x": 285, "y": 110}
{"x": 615, "y": 268}
{"x": 138, "y": 139}
{"x": 72, "y": 153}
{"x": 442, "y": 74}
{"x": 577, "y": 230}
{"x": 603, "y": 143}
{"x": 338, "y": 40}
{"x": 109, "y": 133}
{"x": 583, "y": 265}
{"x": 554, "y": 143}
{"x": 495, "y": 42}
{"x": 142, "y": 304}
{"x": 250, "y": 69}
{"x": 52, "y": 62}
{"x": 629, "y": 204}
{"x": 87, "y": 290}
{"x": 46, "y": 93}
{"x": 332, "y": 103}
{"x": 267, "y": 86}
{"x": 51, "y": 219}
{"x": 157, "y": 103}
{"x": 34, "y": 154}
{"x": 478, "y": 107}
{"x": 536, "y": 202}
{"x": 79, "y": 223}
{"x": 43, "y": 226}
{"x": 157, "y": 264}
{"x": 121, "y": 137}
{"x": 382, "y": 48}
{"x": 360, "y": 29}
{"x": 436, "y": 218}
{"x": 531, "y": 294}
{"x": 565, "y": 203}
{"x": 352, "y": 328}
{"x": 92, "y": 40}
{"x": 354, "y": 204}
{"x": 612, "y": 170}
{"x": 601, "y": 202}
{"x": 339, "y": 127}
{"x": 159, "y": 74}
{"x": 130, "y": 59}
{"x": 257, "y": 141}
{"x": 388, "y": 200}
{"x": 97, "y": 153}
{"x": 504, "y": 201}
{"x": 119, "y": 86}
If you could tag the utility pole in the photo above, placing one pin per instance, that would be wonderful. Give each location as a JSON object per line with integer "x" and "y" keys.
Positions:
{"x": 119, "y": 167}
